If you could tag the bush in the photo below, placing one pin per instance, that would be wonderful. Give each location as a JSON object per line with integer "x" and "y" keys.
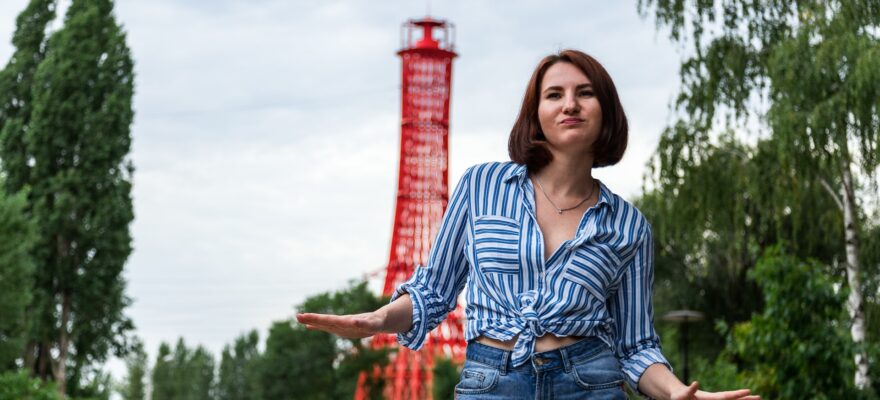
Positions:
{"x": 18, "y": 386}
{"x": 799, "y": 346}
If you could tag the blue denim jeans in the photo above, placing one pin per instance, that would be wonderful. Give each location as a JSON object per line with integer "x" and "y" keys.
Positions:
{"x": 586, "y": 369}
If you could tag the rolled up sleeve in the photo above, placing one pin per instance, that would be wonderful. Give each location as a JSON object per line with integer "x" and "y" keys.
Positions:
{"x": 434, "y": 288}
{"x": 638, "y": 345}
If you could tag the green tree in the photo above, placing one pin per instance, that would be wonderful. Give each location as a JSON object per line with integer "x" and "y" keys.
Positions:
{"x": 810, "y": 72}
{"x": 16, "y": 83}
{"x": 314, "y": 364}
{"x": 713, "y": 221}
{"x": 16, "y": 234}
{"x": 203, "y": 381}
{"x": 192, "y": 372}
{"x": 163, "y": 375}
{"x": 134, "y": 386}
{"x": 16, "y": 269}
{"x": 446, "y": 376}
{"x": 798, "y": 347}
{"x": 871, "y": 257}
{"x": 297, "y": 361}
{"x": 184, "y": 374}
{"x": 78, "y": 139}
{"x": 238, "y": 369}
{"x": 354, "y": 355}
{"x": 95, "y": 384}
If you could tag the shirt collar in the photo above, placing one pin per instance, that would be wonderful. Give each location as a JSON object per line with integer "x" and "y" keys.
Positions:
{"x": 520, "y": 173}
{"x": 604, "y": 196}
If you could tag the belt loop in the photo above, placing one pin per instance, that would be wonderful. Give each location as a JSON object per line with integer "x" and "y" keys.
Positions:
{"x": 566, "y": 362}
{"x": 505, "y": 362}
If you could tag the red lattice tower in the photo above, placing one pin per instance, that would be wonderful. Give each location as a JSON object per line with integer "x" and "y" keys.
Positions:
{"x": 422, "y": 194}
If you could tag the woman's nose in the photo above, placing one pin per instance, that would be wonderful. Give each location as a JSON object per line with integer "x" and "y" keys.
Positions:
{"x": 570, "y": 105}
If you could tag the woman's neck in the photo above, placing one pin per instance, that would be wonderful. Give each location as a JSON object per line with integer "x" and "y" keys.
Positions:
{"x": 567, "y": 176}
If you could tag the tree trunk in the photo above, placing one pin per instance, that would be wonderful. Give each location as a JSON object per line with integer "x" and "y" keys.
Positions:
{"x": 854, "y": 302}
{"x": 29, "y": 357}
{"x": 43, "y": 366}
{"x": 59, "y": 368}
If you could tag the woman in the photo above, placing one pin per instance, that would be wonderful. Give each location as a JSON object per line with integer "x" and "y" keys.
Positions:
{"x": 559, "y": 269}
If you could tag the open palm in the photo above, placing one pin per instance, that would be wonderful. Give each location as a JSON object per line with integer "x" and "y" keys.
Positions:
{"x": 354, "y": 326}
{"x": 692, "y": 392}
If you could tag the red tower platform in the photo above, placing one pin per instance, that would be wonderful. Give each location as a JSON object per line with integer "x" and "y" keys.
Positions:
{"x": 422, "y": 195}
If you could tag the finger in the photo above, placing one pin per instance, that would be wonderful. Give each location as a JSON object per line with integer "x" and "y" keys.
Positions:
{"x": 742, "y": 394}
{"x": 692, "y": 389}
{"x": 734, "y": 394}
{"x": 332, "y": 330}
{"x": 327, "y": 320}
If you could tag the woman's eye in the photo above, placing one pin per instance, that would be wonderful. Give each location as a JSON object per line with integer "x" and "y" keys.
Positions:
{"x": 553, "y": 95}
{"x": 586, "y": 93}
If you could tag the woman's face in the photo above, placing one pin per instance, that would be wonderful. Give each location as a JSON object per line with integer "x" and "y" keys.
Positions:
{"x": 568, "y": 111}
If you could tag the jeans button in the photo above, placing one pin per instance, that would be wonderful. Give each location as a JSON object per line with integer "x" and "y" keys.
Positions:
{"x": 540, "y": 361}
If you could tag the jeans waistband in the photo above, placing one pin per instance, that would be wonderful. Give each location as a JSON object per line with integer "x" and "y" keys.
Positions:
{"x": 540, "y": 361}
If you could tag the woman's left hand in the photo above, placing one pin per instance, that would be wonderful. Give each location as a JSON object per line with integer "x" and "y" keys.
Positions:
{"x": 692, "y": 392}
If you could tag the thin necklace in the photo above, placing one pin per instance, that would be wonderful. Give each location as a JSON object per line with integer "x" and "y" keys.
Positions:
{"x": 561, "y": 210}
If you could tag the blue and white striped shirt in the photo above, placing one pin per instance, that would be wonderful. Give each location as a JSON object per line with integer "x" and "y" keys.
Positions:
{"x": 597, "y": 284}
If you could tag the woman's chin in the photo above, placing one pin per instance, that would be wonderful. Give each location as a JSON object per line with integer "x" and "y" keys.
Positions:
{"x": 573, "y": 145}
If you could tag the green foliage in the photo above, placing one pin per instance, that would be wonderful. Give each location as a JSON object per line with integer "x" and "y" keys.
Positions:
{"x": 716, "y": 375}
{"x": 184, "y": 374}
{"x": 712, "y": 221}
{"x": 134, "y": 387}
{"x": 163, "y": 374}
{"x": 816, "y": 61}
{"x": 16, "y": 233}
{"x": 353, "y": 355}
{"x": 238, "y": 369}
{"x": 297, "y": 361}
{"x": 799, "y": 346}
{"x": 446, "y": 376}
{"x": 802, "y": 76}
{"x": 202, "y": 382}
{"x": 314, "y": 364}
{"x": 871, "y": 279}
{"x": 354, "y": 299}
{"x": 65, "y": 117}
{"x": 16, "y": 82}
{"x": 95, "y": 385}
{"x": 874, "y": 359}
{"x": 17, "y": 385}
{"x": 16, "y": 271}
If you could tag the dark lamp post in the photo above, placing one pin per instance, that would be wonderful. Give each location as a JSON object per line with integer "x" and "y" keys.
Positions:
{"x": 684, "y": 317}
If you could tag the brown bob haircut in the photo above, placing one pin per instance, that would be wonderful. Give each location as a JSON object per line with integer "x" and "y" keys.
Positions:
{"x": 527, "y": 143}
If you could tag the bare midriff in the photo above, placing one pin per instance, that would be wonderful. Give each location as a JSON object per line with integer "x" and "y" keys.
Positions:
{"x": 543, "y": 343}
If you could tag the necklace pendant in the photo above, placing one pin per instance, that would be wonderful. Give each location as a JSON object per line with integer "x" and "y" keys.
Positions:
{"x": 559, "y": 212}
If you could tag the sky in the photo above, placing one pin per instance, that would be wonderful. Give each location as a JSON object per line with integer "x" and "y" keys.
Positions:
{"x": 266, "y": 137}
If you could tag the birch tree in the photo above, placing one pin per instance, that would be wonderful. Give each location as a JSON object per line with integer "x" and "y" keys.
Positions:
{"x": 807, "y": 74}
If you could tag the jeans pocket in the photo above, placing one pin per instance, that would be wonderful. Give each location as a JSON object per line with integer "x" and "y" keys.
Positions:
{"x": 476, "y": 378}
{"x": 598, "y": 373}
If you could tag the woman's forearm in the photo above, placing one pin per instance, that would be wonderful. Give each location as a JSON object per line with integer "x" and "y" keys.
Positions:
{"x": 397, "y": 315}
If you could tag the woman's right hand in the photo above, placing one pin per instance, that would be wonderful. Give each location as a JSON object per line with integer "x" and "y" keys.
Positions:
{"x": 354, "y": 326}
{"x": 391, "y": 318}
